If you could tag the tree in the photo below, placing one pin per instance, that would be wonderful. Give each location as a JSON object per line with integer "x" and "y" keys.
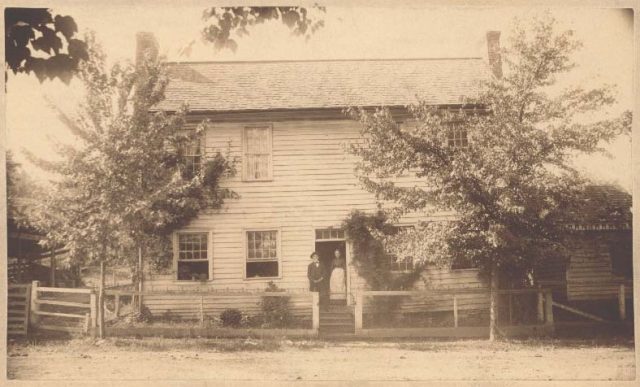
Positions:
{"x": 502, "y": 162}
{"x": 127, "y": 182}
{"x": 226, "y": 20}
{"x": 57, "y": 53}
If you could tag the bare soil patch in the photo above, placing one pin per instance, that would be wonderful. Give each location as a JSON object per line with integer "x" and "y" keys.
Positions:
{"x": 252, "y": 359}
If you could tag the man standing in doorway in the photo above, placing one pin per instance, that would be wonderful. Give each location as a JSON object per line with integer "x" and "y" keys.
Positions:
{"x": 315, "y": 273}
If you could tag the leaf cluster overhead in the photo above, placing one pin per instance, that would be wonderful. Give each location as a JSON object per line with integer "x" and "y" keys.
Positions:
{"x": 511, "y": 182}
{"x": 39, "y": 42}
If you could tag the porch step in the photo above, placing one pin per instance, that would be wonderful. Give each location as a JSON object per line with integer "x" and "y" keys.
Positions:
{"x": 336, "y": 309}
{"x": 331, "y": 330}
{"x": 336, "y": 320}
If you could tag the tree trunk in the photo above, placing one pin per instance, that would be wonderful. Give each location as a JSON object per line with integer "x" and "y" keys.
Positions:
{"x": 493, "y": 305}
{"x": 101, "y": 301}
{"x": 140, "y": 279}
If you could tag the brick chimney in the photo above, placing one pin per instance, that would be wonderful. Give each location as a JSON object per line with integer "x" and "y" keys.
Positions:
{"x": 493, "y": 48}
{"x": 146, "y": 44}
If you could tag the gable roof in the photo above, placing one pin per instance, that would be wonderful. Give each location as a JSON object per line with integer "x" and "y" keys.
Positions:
{"x": 318, "y": 84}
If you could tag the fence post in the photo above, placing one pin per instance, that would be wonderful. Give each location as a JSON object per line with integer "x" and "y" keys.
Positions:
{"x": 455, "y": 311}
{"x": 87, "y": 322}
{"x": 315, "y": 311}
{"x": 622, "y": 306}
{"x": 33, "y": 318}
{"x": 358, "y": 310}
{"x": 510, "y": 308}
{"x": 93, "y": 302}
{"x": 201, "y": 310}
{"x": 540, "y": 306}
{"x": 117, "y": 305}
{"x": 549, "y": 307}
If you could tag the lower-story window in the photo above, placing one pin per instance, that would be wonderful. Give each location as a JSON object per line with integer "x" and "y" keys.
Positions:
{"x": 193, "y": 256}
{"x": 263, "y": 254}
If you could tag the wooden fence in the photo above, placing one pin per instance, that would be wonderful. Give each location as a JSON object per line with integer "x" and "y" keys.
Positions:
{"x": 70, "y": 310}
{"x": 18, "y": 304}
{"x": 543, "y": 311}
{"x": 196, "y": 305}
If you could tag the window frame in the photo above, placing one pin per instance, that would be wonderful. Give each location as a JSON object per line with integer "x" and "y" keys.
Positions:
{"x": 400, "y": 226}
{"x": 176, "y": 253}
{"x": 455, "y": 138}
{"x": 201, "y": 152}
{"x": 269, "y": 128}
{"x": 245, "y": 249}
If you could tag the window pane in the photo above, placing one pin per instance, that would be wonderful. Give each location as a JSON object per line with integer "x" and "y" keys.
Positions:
{"x": 262, "y": 269}
{"x": 193, "y": 270}
{"x": 264, "y": 245}
{"x": 257, "y": 153}
{"x": 192, "y": 246}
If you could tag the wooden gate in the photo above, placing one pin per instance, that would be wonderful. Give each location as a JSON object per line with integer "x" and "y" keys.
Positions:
{"x": 18, "y": 303}
{"x": 69, "y": 310}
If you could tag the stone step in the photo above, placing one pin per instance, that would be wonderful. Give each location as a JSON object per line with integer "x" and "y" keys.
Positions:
{"x": 336, "y": 309}
{"x": 337, "y": 323}
{"x": 336, "y": 330}
{"x": 345, "y": 319}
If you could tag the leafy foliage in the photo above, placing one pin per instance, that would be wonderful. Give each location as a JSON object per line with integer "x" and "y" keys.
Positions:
{"x": 238, "y": 19}
{"x": 57, "y": 54}
{"x": 275, "y": 310}
{"x": 512, "y": 182}
{"x": 124, "y": 184}
{"x": 367, "y": 233}
{"x": 231, "y": 318}
{"x": 21, "y": 190}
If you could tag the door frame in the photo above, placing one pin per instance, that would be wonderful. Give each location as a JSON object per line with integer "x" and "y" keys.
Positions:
{"x": 347, "y": 253}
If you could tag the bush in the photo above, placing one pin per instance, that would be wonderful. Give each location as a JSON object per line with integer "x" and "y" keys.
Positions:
{"x": 275, "y": 310}
{"x": 231, "y": 318}
{"x": 144, "y": 315}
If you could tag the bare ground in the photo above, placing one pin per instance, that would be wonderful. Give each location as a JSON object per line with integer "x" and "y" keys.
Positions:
{"x": 218, "y": 359}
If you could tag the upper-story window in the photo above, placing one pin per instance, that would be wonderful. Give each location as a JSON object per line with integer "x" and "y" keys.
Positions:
{"x": 193, "y": 156}
{"x": 457, "y": 136}
{"x": 191, "y": 153}
{"x": 257, "y": 153}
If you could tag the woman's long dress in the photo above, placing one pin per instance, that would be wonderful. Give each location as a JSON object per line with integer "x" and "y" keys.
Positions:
{"x": 337, "y": 284}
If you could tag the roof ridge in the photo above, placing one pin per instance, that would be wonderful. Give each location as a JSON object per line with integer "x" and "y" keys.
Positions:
{"x": 322, "y": 60}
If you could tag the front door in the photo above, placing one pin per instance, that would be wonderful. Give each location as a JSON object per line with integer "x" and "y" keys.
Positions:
{"x": 331, "y": 248}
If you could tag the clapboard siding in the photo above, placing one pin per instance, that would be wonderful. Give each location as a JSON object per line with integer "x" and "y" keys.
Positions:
{"x": 190, "y": 305}
{"x": 442, "y": 279}
{"x": 435, "y": 278}
{"x": 589, "y": 274}
{"x": 313, "y": 186}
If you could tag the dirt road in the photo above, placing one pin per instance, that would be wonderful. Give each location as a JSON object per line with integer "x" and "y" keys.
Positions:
{"x": 467, "y": 360}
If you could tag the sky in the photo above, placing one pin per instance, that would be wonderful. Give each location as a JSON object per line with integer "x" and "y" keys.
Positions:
{"x": 350, "y": 32}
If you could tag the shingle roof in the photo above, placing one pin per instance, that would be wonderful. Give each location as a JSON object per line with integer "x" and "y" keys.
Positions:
{"x": 603, "y": 205}
{"x": 229, "y": 86}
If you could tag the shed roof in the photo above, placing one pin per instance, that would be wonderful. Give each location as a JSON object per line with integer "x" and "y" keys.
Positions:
{"x": 604, "y": 206}
{"x": 317, "y": 84}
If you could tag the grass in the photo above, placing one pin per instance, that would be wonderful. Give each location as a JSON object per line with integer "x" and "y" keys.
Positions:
{"x": 519, "y": 344}
{"x": 41, "y": 344}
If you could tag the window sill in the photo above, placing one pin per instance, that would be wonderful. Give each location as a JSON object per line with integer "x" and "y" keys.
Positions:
{"x": 261, "y": 279}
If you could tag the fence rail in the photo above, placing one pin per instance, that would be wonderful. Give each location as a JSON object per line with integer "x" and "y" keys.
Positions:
{"x": 199, "y": 298}
{"x": 64, "y": 299}
{"x": 544, "y": 304}
{"x": 18, "y": 305}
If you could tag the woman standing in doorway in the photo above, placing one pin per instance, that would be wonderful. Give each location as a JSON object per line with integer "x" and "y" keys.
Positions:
{"x": 337, "y": 284}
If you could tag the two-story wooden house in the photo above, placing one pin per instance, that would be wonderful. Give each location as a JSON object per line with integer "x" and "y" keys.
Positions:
{"x": 284, "y": 122}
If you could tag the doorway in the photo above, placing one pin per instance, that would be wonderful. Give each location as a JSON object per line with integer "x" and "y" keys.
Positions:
{"x": 326, "y": 252}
